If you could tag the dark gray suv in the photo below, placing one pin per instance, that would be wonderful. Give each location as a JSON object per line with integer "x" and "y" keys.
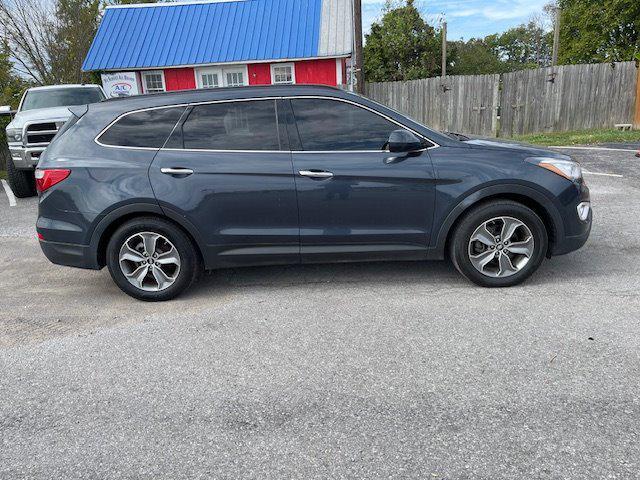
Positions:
{"x": 160, "y": 187}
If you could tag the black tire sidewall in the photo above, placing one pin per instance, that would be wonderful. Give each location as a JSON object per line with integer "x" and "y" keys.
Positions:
{"x": 189, "y": 260}
{"x": 460, "y": 242}
{"x": 22, "y": 182}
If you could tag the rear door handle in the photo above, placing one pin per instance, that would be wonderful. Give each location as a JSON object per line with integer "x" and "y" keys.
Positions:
{"x": 176, "y": 171}
{"x": 315, "y": 173}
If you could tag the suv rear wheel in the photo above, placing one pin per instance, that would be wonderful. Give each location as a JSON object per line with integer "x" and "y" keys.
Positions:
{"x": 499, "y": 244}
{"x": 22, "y": 182}
{"x": 151, "y": 259}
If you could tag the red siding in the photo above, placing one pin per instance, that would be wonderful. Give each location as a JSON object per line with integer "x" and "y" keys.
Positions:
{"x": 316, "y": 71}
{"x": 259, "y": 73}
{"x": 179, "y": 78}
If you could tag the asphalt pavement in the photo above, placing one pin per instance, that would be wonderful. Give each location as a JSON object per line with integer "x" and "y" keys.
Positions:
{"x": 388, "y": 370}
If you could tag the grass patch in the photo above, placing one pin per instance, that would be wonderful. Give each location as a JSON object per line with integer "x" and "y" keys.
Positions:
{"x": 585, "y": 137}
{"x": 3, "y": 175}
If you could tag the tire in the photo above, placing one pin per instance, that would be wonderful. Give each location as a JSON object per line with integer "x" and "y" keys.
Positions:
{"x": 509, "y": 261}
{"x": 22, "y": 182}
{"x": 168, "y": 275}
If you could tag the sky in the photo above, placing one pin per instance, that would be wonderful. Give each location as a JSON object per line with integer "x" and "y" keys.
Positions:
{"x": 465, "y": 18}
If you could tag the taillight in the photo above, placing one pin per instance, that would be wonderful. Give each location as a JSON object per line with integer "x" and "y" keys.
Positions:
{"x": 47, "y": 178}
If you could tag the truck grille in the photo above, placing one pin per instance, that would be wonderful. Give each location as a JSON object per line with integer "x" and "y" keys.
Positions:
{"x": 41, "y": 134}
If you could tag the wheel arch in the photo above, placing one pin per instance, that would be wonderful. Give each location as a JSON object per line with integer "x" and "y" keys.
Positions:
{"x": 113, "y": 220}
{"x": 527, "y": 196}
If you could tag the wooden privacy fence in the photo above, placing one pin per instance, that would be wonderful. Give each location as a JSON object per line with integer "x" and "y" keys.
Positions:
{"x": 570, "y": 97}
{"x": 463, "y": 103}
{"x": 552, "y": 99}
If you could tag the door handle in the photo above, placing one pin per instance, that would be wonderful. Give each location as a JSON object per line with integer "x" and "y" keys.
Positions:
{"x": 315, "y": 173}
{"x": 176, "y": 171}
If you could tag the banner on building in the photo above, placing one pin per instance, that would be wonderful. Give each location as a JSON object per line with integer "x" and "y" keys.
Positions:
{"x": 120, "y": 84}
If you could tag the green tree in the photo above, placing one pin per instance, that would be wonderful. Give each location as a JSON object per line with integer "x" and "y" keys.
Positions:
{"x": 476, "y": 56}
{"x": 599, "y": 31}
{"x": 525, "y": 46}
{"x": 77, "y": 23}
{"x": 403, "y": 46}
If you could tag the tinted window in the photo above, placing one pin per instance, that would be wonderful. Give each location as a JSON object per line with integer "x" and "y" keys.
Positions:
{"x": 149, "y": 128}
{"x": 232, "y": 126}
{"x": 334, "y": 125}
{"x": 61, "y": 97}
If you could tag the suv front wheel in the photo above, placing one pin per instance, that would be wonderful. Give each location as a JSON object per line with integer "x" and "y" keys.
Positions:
{"x": 499, "y": 244}
{"x": 151, "y": 259}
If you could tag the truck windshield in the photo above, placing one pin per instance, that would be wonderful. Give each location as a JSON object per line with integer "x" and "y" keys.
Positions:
{"x": 60, "y": 97}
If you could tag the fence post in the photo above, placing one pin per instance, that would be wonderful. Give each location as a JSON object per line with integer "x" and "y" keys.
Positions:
{"x": 636, "y": 118}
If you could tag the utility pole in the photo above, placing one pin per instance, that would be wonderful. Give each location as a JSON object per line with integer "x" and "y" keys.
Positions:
{"x": 357, "y": 44}
{"x": 556, "y": 35}
{"x": 444, "y": 49}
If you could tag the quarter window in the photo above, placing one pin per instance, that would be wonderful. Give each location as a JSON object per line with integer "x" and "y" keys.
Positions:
{"x": 328, "y": 125}
{"x": 249, "y": 125}
{"x": 282, "y": 74}
{"x": 153, "y": 82}
{"x": 148, "y": 128}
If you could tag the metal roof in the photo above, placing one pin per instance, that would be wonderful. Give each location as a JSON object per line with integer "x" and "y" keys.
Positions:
{"x": 200, "y": 33}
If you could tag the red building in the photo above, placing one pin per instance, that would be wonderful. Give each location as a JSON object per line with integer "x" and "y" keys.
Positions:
{"x": 173, "y": 46}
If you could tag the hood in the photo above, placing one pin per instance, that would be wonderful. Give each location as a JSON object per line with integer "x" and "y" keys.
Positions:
{"x": 41, "y": 114}
{"x": 517, "y": 147}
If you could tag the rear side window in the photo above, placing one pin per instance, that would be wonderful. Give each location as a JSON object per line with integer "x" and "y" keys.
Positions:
{"x": 148, "y": 128}
{"x": 328, "y": 125}
{"x": 246, "y": 125}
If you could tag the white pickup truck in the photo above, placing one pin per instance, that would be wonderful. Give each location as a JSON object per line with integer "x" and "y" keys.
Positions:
{"x": 41, "y": 113}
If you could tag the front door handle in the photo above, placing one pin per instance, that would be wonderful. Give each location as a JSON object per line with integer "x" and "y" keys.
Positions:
{"x": 315, "y": 173}
{"x": 177, "y": 171}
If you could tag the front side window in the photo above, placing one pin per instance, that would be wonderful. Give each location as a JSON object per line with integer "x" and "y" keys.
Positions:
{"x": 282, "y": 74}
{"x": 327, "y": 125}
{"x": 247, "y": 125}
{"x": 148, "y": 128}
{"x": 153, "y": 82}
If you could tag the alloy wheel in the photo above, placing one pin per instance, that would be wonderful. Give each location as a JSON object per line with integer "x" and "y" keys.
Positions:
{"x": 501, "y": 247}
{"x": 149, "y": 261}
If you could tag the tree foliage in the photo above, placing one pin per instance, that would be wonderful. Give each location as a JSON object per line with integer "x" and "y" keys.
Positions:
{"x": 599, "y": 31}
{"x": 402, "y": 46}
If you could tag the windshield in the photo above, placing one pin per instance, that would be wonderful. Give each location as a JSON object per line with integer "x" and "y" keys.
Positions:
{"x": 60, "y": 97}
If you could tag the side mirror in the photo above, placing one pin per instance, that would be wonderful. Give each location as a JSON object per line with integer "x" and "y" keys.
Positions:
{"x": 5, "y": 110}
{"x": 403, "y": 141}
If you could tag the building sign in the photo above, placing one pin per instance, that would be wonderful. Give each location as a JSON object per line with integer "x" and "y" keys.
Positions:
{"x": 121, "y": 84}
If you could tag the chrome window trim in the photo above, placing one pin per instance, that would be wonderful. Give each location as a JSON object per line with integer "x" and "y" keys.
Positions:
{"x": 288, "y": 97}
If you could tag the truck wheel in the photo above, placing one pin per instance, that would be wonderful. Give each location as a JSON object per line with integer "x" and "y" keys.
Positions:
{"x": 22, "y": 182}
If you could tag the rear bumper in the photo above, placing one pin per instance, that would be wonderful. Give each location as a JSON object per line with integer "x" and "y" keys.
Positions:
{"x": 69, "y": 255}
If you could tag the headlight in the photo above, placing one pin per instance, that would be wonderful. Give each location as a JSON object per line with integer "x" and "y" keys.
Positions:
{"x": 566, "y": 168}
{"x": 14, "y": 134}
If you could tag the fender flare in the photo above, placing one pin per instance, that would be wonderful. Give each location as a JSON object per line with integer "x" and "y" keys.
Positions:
{"x": 138, "y": 209}
{"x": 495, "y": 190}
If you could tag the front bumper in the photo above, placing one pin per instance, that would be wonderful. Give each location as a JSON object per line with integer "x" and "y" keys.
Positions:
{"x": 25, "y": 158}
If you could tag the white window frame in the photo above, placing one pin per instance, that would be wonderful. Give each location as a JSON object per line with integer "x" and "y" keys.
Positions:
{"x": 273, "y": 74}
{"x": 144, "y": 74}
{"x": 208, "y": 70}
{"x": 222, "y": 74}
{"x": 236, "y": 69}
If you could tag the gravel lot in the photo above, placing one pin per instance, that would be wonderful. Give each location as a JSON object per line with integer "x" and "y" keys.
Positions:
{"x": 391, "y": 370}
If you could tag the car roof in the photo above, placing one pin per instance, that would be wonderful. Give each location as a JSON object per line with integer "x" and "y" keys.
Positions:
{"x": 70, "y": 85}
{"x": 226, "y": 93}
